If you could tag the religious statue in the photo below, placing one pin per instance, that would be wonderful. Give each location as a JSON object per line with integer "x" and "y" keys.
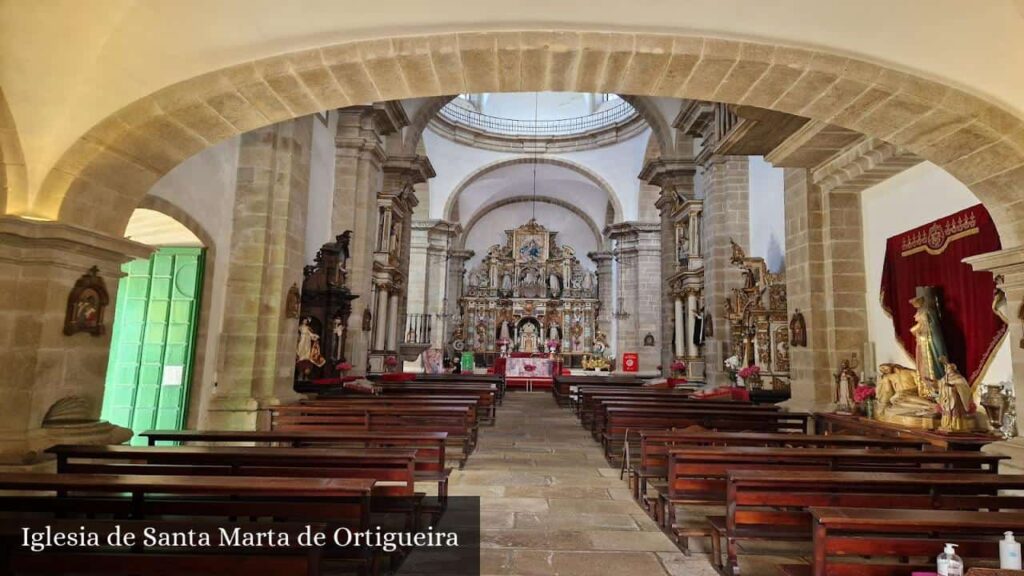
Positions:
{"x": 481, "y": 335}
{"x": 528, "y": 338}
{"x": 588, "y": 282}
{"x": 900, "y": 392}
{"x": 683, "y": 247}
{"x": 554, "y": 285}
{"x": 338, "y": 338}
{"x": 505, "y": 331}
{"x": 553, "y": 332}
{"x": 955, "y": 399}
{"x": 927, "y": 331}
{"x": 530, "y": 278}
{"x": 506, "y": 282}
{"x": 308, "y": 348}
{"x": 797, "y": 330}
{"x": 846, "y": 382}
{"x": 600, "y": 346}
{"x": 577, "y": 336}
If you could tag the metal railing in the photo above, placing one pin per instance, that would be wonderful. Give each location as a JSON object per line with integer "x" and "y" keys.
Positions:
{"x": 619, "y": 114}
{"x": 418, "y": 328}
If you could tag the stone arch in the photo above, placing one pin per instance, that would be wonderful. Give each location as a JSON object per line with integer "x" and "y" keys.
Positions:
{"x": 13, "y": 175}
{"x": 662, "y": 130}
{"x": 105, "y": 173}
{"x": 451, "y": 204}
{"x": 204, "y": 330}
{"x": 460, "y": 242}
{"x": 414, "y": 133}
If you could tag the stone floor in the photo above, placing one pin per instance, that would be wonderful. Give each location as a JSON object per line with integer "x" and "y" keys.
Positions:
{"x": 550, "y": 503}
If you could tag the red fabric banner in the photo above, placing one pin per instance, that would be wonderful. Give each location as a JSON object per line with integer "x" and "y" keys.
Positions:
{"x": 931, "y": 255}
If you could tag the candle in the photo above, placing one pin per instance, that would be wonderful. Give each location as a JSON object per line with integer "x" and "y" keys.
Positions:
{"x": 869, "y": 359}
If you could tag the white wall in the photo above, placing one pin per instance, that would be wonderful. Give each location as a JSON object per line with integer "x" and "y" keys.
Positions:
{"x": 617, "y": 165}
{"x": 767, "y": 214}
{"x": 549, "y": 105}
{"x": 204, "y": 187}
{"x": 907, "y": 200}
{"x": 321, "y": 186}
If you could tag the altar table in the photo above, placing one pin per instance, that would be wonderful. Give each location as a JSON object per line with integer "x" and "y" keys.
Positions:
{"x": 530, "y": 373}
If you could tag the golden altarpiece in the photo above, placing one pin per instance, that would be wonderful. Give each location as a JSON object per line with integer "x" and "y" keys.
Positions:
{"x": 528, "y": 293}
{"x": 758, "y": 322}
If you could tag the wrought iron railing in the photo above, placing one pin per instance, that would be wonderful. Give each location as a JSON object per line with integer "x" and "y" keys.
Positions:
{"x": 418, "y": 328}
{"x": 460, "y": 115}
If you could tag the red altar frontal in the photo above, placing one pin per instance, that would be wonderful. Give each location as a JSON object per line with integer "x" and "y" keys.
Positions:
{"x": 528, "y": 371}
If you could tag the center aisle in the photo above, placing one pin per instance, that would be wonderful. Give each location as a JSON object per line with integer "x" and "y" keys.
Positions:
{"x": 551, "y": 505}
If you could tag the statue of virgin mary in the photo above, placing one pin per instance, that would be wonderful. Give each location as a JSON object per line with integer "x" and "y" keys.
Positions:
{"x": 927, "y": 331}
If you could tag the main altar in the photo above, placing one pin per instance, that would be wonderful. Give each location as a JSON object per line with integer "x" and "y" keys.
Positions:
{"x": 530, "y": 295}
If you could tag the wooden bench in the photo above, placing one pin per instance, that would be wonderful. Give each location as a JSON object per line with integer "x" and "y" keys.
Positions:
{"x": 489, "y": 394}
{"x": 430, "y": 463}
{"x": 773, "y": 505}
{"x": 484, "y": 415}
{"x": 561, "y": 390}
{"x": 585, "y": 396}
{"x": 655, "y": 446}
{"x": 459, "y": 423}
{"x": 159, "y": 498}
{"x": 599, "y": 415}
{"x": 495, "y": 379}
{"x": 620, "y": 420}
{"x": 868, "y": 541}
{"x": 698, "y": 475}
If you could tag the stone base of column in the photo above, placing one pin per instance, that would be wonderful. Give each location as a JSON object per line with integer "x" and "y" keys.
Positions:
{"x": 239, "y": 412}
{"x": 27, "y": 449}
{"x": 1014, "y": 449}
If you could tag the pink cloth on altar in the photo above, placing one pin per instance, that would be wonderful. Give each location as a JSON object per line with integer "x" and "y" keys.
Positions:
{"x": 521, "y": 368}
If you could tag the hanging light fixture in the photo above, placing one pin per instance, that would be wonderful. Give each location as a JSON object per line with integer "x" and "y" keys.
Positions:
{"x": 536, "y": 159}
{"x": 620, "y": 308}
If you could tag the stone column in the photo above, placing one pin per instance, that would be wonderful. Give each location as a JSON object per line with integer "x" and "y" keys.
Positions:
{"x": 1008, "y": 267}
{"x": 680, "y": 328}
{"x": 40, "y": 262}
{"x": 726, "y": 218}
{"x": 431, "y": 241}
{"x": 267, "y": 257}
{"x": 392, "y": 340}
{"x": 638, "y": 253}
{"x": 691, "y": 315}
{"x": 675, "y": 178}
{"x": 605, "y": 290}
{"x": 380, "y": 321}
{"x": 358, "y": 180}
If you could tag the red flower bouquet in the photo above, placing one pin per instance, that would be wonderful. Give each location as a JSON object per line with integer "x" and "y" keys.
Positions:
{"x": 863, "y": 393}
{"x": 749, "y": 372}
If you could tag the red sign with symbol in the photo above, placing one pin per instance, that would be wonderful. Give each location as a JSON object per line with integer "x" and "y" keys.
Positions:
{"x": 630, "y": 362}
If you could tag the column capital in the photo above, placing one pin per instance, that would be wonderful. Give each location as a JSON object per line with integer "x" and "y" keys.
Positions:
{"x": 669, "y": 172}
{"x": 461, "y": 255}
{"x": 601, "y": 257}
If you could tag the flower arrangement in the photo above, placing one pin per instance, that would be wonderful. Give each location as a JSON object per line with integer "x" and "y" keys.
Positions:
{"x": 343, "y": 367}
{"x": 553, "y": 344}
{"x": 863, "y": 393}
{"x": 748, "y": 372}
{"x": 678, "y": 366}
{"x": 391, "y": 361}
{"x": 732, "y": 366}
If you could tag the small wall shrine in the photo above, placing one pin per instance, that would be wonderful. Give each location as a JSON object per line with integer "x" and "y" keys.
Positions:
{"x": 325, "y": 306}
{"x": 758, "y": 323}
{"x": 528, "y": 295}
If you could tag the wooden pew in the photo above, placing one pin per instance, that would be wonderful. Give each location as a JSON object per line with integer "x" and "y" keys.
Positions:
{"x": 773, "y": 505}
{"x": 585, "y": 396}
{"x": 284, "y": 502}
{"x": 561, "y": 390}
{"x": 430, "y": 463}
{"x": 849, "y": 541}
{"x": 600, "y": 405}
{"x": 459, "y": 423}
{"x": 697, "y": 475}
{"x": 489, "y": 394}
{"x": 655, "y": 446}
{"x": 496, "y": 380}
{"x": 405, "y": 400}
{"x": 619, "y": 420}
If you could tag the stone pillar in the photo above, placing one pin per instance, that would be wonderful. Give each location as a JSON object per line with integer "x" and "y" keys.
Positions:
{"x": 380, "y": 343}
{"x": 680, "y": 328}
{"x": 810, "y": 366}
{"x": 267, "y": 257}
{"x": 691, "y": 319}
{"x": 605, "y": 290}
{"x": 431, "y": 241}
{"x": 726, "y": 191}
{"x": 40, "y": 262}
{"x": 358, "y": 180}
{"x": 392, "y": 340}
{"x": 675, "y": 178}
{"x": 638, "y": 253}
{"x": 1008, "y": 267}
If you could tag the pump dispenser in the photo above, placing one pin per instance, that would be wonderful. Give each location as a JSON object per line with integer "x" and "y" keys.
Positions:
{"x": 948, "y": 563}
{"x": 1009, "y": 552}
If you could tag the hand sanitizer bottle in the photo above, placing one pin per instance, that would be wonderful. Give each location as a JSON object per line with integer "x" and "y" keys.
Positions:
{"x": 1009, "y": 552}
{"x": 949, "y": 564}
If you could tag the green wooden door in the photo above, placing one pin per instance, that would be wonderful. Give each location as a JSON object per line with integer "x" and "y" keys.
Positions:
{"x": 150, "y": 368}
